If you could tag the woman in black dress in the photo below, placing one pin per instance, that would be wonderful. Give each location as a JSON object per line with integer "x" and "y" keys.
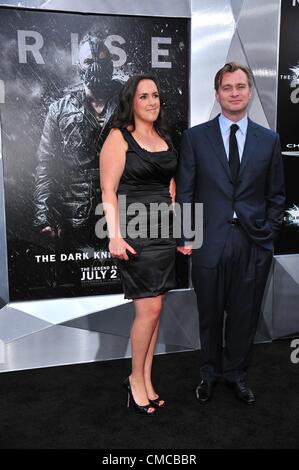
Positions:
{"x": 138, "y": 162}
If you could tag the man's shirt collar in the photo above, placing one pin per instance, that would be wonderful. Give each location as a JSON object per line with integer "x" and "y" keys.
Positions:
{"x": 225, "y": 124}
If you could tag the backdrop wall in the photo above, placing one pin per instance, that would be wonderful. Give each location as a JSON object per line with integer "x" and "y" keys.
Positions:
{"x": 69, "y": 330}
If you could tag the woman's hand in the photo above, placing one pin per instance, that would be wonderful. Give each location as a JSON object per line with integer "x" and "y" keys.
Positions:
{"x": 118, "y": 248}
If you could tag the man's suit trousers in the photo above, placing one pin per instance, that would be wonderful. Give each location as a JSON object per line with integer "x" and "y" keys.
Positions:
{"x": 235, "y": 287}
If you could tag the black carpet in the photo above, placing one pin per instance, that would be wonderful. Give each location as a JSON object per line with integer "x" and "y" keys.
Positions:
{"x": 84, "y": 407}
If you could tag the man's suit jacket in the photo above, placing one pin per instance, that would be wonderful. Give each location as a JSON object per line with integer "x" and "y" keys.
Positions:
{"x": 257, "y": 198}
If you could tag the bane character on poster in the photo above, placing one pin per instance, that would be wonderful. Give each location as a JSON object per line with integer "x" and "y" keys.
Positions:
{"x": 67, "y": 179}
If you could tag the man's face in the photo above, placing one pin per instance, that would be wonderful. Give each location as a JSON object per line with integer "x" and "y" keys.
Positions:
{"x": 234, "y": 94}
{"x": 96, "y": 68}
{"x": 86, "y": 58}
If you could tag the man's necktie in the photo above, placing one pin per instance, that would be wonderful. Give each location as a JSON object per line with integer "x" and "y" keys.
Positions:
{"x": 234, "y": 158}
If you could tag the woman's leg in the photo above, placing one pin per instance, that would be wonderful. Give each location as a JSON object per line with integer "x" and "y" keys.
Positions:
{"x": 143, "y": 334}
{"x": 151, "y": 393}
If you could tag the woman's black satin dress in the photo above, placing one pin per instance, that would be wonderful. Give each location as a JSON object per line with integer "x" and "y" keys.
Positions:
{"x": 146, "y": 180}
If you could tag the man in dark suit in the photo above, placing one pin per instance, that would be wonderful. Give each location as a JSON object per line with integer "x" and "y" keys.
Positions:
{"x": 234, "y": 167}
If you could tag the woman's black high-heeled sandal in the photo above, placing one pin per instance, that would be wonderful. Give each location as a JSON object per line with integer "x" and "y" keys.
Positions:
{"x": 156, "y": 402}
{"x": 140, "y": 409}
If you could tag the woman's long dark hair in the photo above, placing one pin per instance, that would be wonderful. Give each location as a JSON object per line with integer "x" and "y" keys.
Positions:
{"x": 124, "y": 116}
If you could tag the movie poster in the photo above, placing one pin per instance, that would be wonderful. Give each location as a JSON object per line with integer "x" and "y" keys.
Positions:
{"x": 60, "y": 75}
{"x": 287, "y": 122}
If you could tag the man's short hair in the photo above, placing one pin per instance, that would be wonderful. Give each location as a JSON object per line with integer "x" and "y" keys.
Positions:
{"x": 232, "y": 67}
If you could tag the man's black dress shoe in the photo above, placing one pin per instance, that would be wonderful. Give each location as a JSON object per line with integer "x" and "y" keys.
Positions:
{"x": 204, "y": 391}
{"x": 243, "y": 392}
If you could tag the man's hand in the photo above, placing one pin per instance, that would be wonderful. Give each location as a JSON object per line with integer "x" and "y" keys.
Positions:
{"x": 185, "y": 250}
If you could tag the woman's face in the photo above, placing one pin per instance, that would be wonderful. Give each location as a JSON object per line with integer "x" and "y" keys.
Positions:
{"x": 146, "y": 102}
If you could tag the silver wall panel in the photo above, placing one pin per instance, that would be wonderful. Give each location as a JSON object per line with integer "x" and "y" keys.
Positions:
{"x": 236, "y": 53}
{"x": 15, "y": 324}
{"x": 285, "y": 319}
{"x": 264, "y": 331}
{"x": 179, "y": 326}
{"x": 212, "y": 26}
{"x": 24, "y": 3}
{"x": 60, "y": 345}
{"x": 124, "y": 7}
{"x": 57, "y": 311}
{"x": 179, "y": 8}
{"x": 245, "y": 31}
{"x": 258, "y": 28}
{"x": 104, "y": 336}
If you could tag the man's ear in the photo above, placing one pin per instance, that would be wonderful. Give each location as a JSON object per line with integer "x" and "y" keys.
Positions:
{"x": 217, "y": 96}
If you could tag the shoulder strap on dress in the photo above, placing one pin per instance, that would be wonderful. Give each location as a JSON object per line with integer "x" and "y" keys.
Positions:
{"x": 129, "y": 139}
{"x": 125, "y": 133}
